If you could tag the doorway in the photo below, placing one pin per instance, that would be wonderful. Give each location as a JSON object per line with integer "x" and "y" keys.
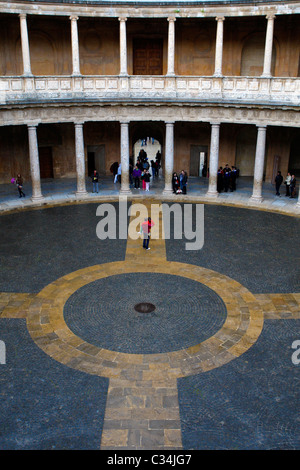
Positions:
{"x": 198, "y": 159}
{"x": 46, "y": 162}
{"x": 147, "y": 56}
{"x": 96, "y": 159}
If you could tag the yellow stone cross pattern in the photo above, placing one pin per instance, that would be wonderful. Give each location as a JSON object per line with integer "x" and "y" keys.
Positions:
{"x": 146, "y": 384}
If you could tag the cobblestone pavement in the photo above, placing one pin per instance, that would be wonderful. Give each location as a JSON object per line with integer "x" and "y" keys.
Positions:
{"x": 210, "y": 367}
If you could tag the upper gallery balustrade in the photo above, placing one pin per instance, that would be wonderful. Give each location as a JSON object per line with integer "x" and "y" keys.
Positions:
{"x": 243, "y": 90}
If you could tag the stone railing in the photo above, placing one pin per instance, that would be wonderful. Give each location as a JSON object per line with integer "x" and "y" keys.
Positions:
{"x": 255, "y": 90}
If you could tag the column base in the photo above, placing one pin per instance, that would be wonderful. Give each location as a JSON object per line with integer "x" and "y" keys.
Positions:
{"x": 212, "y": 194}
{"x": 298, "y": 205}
{"x": 256, "y": 199}
{"x": 125, "y": 192}
{"x": 81, "y": 193}
{"x": 37, "y": 198}
{"x": 167, "y": 192}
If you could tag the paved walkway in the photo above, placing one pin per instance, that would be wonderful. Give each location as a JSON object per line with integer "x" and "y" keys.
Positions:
{"x": 58, "y": 191}
{"x": 70, "y": 383}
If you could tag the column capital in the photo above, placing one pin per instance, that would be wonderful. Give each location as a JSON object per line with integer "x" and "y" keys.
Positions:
{"x": 220, "y": 18}
{"x": 74, "y": 18}
{"x": 270, "y": 16}
{"x": 78, "y": 123}
{"x": 259, "y": 126}
{"x": 169, "y": 123}
{"x": 122, "y": 18}
{"x": 215, "y": 124}
{"x": 171, "y": 18}
{"x": 124, "y": 122}
{"x": 23, "y": 16}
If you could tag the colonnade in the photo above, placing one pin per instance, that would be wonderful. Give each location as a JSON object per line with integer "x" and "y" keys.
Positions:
{"x": 168, "y": 166}
{"x": 123, "y": 46}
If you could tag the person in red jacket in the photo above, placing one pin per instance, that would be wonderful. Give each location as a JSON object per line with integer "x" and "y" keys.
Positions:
{"x": 146, "y": 229}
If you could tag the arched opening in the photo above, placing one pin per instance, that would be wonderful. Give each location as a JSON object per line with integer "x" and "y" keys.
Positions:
{"x": 147, "y": 139}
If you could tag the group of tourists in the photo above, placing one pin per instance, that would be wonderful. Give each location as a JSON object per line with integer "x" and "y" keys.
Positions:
{"x": 290, "y": 184}
{"x": 226, "y": 178}
{"x": 140, "y": 173}
{"x": 142, "y": 163}
{"x": 179, "y": 182}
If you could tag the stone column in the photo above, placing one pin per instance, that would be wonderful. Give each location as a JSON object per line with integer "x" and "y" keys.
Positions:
{"x": 34, "y": 165}
{"x": 214, "y": 160}
{"x": 75, "y": 46}
{"x": 25, "y": 45}
{"x": 80, "y": 160}
{"x": 298, "y": 202}
{"x": 268, "y": 47}
{"x": 259, "y": 164}
{"x": 219, "y": 47}
{"x": 123, "y": 47}
{"x": 169, "y": 158}
{"x": 171, "y": 47}
{"x": 125, "y": 158}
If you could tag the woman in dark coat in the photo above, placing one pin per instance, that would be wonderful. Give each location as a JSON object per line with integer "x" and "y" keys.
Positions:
{"x": 19, "y": 183}
{"x": 183, "y": 181}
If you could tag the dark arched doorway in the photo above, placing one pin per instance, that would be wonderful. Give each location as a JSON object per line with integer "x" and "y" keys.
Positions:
{"x": 148, "y": 136}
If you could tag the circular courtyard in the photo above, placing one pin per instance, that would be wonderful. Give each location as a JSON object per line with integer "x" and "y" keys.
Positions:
{"x": 208, "y": 320}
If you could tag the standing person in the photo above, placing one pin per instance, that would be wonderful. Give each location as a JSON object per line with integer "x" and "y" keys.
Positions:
{"x": 114, "y": 169}
{"x": 175, "y": 182}
{"x": 278, "y": 182}
{"x": 287, "y": 184}
{"x": 220, "y": 184}
{"x": 118, "y": 174}
{"x": 143, "y": 179}
{"x": 183, "y": 181}
{"x": 233, "y": 177}
{"x": 95, "y": 181}
{"x": 157, "y": 162}
{"x": 157, "y": 166}
{"x": 158, "y": 157}
{"x": 227, "y": 174}
{"x": 19, "y": 183}
{"x": 146, "y": 231}
{"x": 293, "y": 187}
{"x": 130, "y": 174}
{"x": 136, "y": 176}
{"x": 147, "y": 180}
{"x": 153, "y": 168}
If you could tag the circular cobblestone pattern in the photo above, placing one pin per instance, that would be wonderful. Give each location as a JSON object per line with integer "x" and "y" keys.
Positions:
{"x": 186, "y": 313}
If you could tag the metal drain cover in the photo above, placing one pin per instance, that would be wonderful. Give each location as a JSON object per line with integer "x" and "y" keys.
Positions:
{"x": 144, "y": 307}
